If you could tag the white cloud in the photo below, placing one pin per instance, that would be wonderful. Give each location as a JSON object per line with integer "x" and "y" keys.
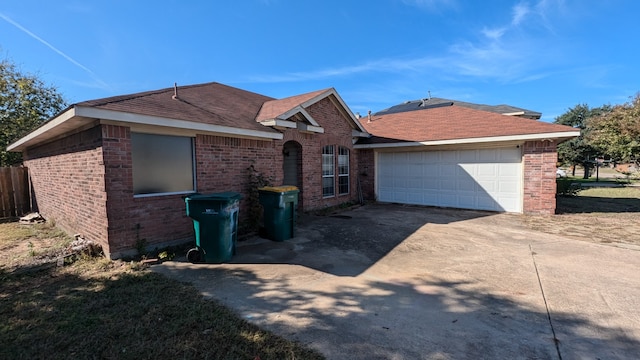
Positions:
{"x": 380, "y": 65}
{"x": 498, "y": 56}
{"x": 494, "y": 33}
{"x": 519, "y": 12}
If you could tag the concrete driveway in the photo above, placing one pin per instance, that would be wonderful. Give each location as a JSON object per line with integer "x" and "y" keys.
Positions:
{"x": 402, "y": 282}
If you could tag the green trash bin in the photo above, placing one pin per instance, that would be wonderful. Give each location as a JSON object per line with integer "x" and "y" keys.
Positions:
{"x": 280, "y": 204}
{"x": 215, "y": 221}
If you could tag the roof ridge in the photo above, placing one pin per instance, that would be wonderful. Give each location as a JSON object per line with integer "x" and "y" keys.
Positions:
{"x": 139, "y": 95}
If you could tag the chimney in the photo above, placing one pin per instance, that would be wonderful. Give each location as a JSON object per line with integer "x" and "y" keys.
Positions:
{"x": 369, "y": 116}
{"x": 357, "y": 115}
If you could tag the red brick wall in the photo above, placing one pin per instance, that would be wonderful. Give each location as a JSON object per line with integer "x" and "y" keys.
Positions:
{"x": 539, "y": 160}
{"x": 367, "y": 174}
{"x": 154, "y": 220}
{"x": 67, "y": 176}
{"x": 84, "y": 179}
{"x": 338, "y": 133}
{"x": 222, "y": 164}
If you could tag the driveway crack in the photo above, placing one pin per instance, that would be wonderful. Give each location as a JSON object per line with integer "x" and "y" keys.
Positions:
{"x": 546, "y": 305}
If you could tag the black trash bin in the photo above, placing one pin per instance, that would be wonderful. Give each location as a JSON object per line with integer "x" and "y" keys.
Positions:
{"x": 280, "y": 204}
{"x": 215, "y": 221}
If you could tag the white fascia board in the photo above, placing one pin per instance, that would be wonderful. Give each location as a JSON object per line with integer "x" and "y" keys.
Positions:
{"x": 172, "y": 123}
{"x": 298, "y": 109}
{"x": 332, "y": 91}
{"x": 496, "y": 139}
{"x": 48, "y": 126}
{"x": 357, "y": 133}
{"x": 514, "y": 113}
{"x": 310, "y": 128}
{"x": 279, "y": 122}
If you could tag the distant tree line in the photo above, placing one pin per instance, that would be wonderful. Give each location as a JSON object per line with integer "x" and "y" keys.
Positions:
{"x": 609, "y": 132}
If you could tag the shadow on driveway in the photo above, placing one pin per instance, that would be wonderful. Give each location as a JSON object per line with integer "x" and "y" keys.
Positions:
{"x": 397, "y": 282}
{"x": 347, "y": 244}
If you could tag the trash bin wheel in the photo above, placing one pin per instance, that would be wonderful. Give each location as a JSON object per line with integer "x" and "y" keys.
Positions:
{"x": 194, "y": 255}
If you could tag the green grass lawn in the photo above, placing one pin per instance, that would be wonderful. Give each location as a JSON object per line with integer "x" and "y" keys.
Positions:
{"x": 97, "y": 308}
{"x": 601, "y": 200}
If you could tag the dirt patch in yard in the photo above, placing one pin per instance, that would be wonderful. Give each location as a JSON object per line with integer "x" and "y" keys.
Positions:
{"x": 607, "y": 216}
{"x": 30, "y": 245}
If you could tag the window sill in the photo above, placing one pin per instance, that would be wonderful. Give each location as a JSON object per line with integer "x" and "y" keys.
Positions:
{"x": 142, "y": 196}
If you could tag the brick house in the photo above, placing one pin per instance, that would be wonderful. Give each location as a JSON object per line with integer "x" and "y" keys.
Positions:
{"x": 116, "y": 169}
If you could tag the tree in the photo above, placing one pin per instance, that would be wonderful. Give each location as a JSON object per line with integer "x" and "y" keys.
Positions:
{"x": 26, "y": 102}
{"x": 579, "y": 150}
{"x": 617, "y": 133}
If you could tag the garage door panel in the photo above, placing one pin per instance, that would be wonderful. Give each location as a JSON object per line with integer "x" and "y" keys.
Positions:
{"x": 466, "y": 184}
{"x": 448, "y": 157}
{"x": 448, "y": 170}
{"x": 486, "y": 179}
{"x": 508, "y": 187}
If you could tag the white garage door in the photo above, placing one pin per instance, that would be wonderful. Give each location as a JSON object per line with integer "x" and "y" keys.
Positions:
{"x": 483, "y": 179}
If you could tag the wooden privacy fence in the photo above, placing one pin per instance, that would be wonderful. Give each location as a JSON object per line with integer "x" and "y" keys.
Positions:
{"x": 15, "y": 199}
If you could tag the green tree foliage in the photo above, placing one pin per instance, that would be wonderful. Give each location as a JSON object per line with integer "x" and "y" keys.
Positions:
{"x": 579, "y": 150}
{"x": 617, "y": 133}
{"x": 25, "y": 103}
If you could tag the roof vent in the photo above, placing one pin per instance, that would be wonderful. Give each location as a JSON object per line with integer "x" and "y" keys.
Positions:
{"x": 357, "y": 115}
{"x": 175, "y": 91}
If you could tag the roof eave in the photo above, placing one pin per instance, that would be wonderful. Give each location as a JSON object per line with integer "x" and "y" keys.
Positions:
{"x": 76, "y": 116}
{"x": 554, "y": 136}
{"x": 52, "y": 128}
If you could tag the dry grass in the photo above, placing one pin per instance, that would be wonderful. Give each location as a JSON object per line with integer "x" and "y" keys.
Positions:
{"x": 26, "y": 245}
{"x": 602, "y": 215}
{"x": 97, "y": 308}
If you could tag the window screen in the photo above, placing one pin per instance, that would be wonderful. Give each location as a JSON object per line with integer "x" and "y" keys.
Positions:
{"x": 162, "y": 164}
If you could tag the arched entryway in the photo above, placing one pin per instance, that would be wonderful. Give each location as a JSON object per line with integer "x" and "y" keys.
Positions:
{"x": 292, "y": 166}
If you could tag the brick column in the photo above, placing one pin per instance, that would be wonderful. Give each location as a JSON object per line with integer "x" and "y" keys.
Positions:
{"x": 540, "y": 158}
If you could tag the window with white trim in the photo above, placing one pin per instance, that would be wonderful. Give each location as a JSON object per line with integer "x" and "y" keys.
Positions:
{"x": 328, "y": 171}
{"x": 343, "y": 170}
{"x": 162, "y": 164}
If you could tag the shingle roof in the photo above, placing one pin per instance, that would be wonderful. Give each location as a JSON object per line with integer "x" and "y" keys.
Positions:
{"x": 274, "y": 108}
{"x": 209, "y": 103}
{"x": 434, "y": 102}
{"x": 451, "y": 122}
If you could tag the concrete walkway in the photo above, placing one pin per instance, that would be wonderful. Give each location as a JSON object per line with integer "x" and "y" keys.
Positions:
{"x": 398, "y": 282}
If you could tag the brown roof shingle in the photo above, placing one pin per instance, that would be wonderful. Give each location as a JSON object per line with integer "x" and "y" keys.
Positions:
{"x": 453, "y": 122}
{"x": 274, "y": 108}
{"x": 209, "y": 103}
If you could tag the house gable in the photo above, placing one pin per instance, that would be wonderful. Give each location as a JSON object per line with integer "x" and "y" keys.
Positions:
{"x": 292, "y": 112}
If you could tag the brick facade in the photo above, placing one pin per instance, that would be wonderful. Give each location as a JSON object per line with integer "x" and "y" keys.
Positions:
{"x": 338, "y": 133}
{"x": 84, "y": 182}
{"x": 539, "y": 161}
{"x": 367, "y": 173}
{"x": 68, "y": 183}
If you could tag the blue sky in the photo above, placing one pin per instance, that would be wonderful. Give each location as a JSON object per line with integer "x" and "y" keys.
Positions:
{"x": 545, "y": 55}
